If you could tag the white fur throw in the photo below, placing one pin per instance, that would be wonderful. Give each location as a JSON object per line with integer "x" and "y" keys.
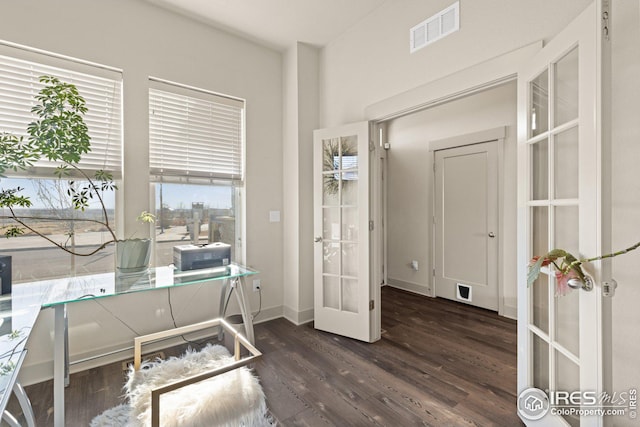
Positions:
{"x": 231, "y": 399}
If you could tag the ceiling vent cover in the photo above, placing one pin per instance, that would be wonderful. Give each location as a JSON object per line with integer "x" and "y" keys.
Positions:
{"x": 434, "y": 28}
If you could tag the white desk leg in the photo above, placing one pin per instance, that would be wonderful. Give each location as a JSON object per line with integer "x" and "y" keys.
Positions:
{"x": 66, "y": 347}
{"x": 59, "y": 364}
{"x": 25, "y": 404}
{"x": 245, "y": 309}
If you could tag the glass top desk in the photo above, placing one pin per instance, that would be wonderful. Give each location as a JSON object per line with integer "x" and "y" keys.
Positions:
{"x": 16, "y": 322}
{"x": 28, "y": 298}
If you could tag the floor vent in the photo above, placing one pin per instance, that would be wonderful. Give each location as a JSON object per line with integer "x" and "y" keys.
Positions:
{"x": 464, "y": 292}
{"x": 434, "y": 28}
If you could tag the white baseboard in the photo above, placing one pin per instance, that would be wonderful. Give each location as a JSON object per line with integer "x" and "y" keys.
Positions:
{"x": 267, "y": 314}
{"x": 416, "y": 288}
{"x": 510, "y": 312}
{"x": 298, "y": 317}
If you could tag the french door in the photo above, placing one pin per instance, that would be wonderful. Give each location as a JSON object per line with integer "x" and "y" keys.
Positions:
{"x": 559, "y": 337}
{"x": 344, "y": 300}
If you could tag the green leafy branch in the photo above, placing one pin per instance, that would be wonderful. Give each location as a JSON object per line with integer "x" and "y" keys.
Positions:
{"x": 59, "y": 134}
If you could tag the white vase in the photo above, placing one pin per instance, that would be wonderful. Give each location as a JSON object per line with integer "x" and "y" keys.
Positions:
{"x": 132, "y": 255}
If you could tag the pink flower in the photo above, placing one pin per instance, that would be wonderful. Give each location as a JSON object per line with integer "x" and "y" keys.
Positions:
{"x": 562, "y": 279}
{"x": 535, "y": 259}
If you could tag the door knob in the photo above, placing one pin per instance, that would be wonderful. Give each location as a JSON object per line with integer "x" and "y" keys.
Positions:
{"x": 492, "y": 234}
{"x": 317, "y": 239}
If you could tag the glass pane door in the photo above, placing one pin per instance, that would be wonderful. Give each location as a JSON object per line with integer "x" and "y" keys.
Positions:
{"x": 553, "y": 204}
{"x": 341, "y": 221}
{"x": 559, "y": 195}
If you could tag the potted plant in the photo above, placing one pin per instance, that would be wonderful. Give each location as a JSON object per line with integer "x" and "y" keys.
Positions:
{"x": 132, "y": 255}
{"x": 59, "y": 134}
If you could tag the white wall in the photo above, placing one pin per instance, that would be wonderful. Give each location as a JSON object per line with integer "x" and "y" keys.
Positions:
{"x": 371, "y": 61}
{"x": 308, "y": 120}
{"x": 300, "y": 65}
{"x": 144, "y": 41}
{"x": 410, "y": 184}
{"x": 625, "y": 40}
{"x": 290, "y": 183}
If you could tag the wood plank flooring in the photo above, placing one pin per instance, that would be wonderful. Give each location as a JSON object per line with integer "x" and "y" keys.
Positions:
{"x": 439, "y": 363}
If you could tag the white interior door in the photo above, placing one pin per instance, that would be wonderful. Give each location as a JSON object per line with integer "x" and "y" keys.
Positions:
{"x": 466, "y": 223}
{"x": 559, "y": 184}
{"x": 342, "y": 289}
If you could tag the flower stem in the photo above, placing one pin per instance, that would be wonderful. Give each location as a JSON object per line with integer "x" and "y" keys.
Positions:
{"x": 611, "y": 255}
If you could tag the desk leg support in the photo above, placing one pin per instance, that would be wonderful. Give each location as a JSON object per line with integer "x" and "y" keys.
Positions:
{"x": 59, "y": 353}
{"x": 245, "y": 309}
{"x": 10, "y": 419}
{"x": 223, "y": 298}
{"x": 25, "y": 404}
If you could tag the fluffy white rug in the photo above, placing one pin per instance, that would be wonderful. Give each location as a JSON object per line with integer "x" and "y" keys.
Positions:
{"x": 116, "y": 416}
{"x": 230, "y": 400}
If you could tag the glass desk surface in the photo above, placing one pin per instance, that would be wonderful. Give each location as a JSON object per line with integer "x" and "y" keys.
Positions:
{"x": 16, "y": 321}
{"x": 78, "y": 288}
{"x": 19, "y": 310}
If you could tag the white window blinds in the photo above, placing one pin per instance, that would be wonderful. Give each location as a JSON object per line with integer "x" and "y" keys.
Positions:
{"x": 19, "y": 83}
{"x": 193, "y": 133}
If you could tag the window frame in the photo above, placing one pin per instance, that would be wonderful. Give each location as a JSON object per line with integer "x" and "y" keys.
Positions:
{"x": 177, "y": 176}
{"x": 78, "y": 72}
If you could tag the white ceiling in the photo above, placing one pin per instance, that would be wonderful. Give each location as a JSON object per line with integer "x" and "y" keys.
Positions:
{"x": 277, "y": 23}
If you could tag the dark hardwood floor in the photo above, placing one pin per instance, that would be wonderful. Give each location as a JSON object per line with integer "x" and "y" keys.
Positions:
{"x": 439, "y": 363}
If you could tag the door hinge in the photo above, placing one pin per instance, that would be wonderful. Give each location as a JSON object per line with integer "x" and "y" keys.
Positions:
{"x": 434, "y": 272}
{"x": 372, "y": 145}
{"x": 370, "y": 225}
{"x": 605, "y": 19}
{"x": 371, "y": 305}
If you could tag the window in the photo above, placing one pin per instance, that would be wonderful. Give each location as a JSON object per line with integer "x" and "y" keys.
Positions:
{"x": 196, "y": 156}
{"x": 20, "y": 70}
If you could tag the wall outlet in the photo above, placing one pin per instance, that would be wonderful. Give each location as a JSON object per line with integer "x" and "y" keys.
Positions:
{"x": 414, "y": 265}
{"x": 256, "y": 285}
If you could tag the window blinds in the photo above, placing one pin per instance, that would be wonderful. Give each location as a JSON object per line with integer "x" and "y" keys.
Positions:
{"x": 194, "y": 133}
{"x": 19, "y": 84}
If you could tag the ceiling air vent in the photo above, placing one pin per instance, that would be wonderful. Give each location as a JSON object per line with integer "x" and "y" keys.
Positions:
{"x": 434, "y": 28}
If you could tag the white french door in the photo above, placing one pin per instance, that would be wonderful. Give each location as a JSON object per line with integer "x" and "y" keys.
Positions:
{"x": 559, "y": 337}
{"x": 342, "y": 290}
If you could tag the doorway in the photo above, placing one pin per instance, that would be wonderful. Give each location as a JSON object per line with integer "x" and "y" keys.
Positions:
{"x": 414, "y": 139}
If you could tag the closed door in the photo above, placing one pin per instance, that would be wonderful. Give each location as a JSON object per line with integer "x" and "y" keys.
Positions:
{"x": 466, "y": 223}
